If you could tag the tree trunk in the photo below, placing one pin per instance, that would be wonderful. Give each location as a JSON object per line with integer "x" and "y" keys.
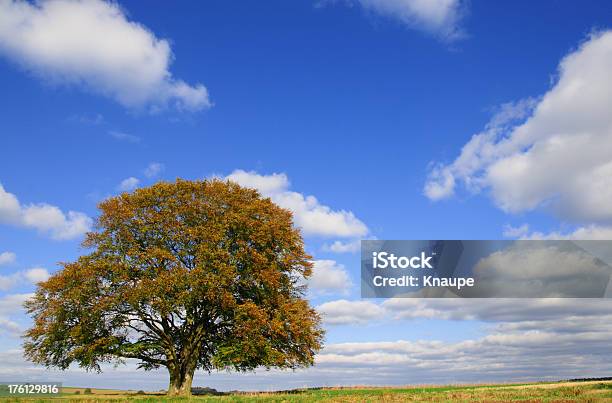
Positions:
{"x": 180, "y": 381}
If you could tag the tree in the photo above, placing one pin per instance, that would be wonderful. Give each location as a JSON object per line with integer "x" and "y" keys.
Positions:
{"x": 185, "y": 275}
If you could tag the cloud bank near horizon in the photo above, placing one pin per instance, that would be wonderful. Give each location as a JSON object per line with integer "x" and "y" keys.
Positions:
{"x": 528, "y": 336}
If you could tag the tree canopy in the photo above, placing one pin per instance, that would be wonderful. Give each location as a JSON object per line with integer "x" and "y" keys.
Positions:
{"x": 184, "y": 275}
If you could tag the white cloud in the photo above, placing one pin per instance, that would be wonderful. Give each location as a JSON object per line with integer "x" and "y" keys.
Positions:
{"x": 265, "y": 184}
{"x": 10, "y": 209}
{"x": 343, "y": 312}
{"x": 592, "y": 232}
{"x": 477, "y": 153}
{"x": 440, "y": 183}
{"x": 437, "y": 17}
{"x": 515, "y": 232}
{"x": 51, "y": 219}
{"x": 122, "y": 136}
{"x": 9, "y": 281}
{"x": 497, "y": 309}
{"x": 7, "y": 258}
{"x": 11, "y": 305}
{"x": 92, "y": 43}
{"x": 553, "y": 152}
{"x": 128, "y": 184}
{"x": 32, "y": 276}
{"x": 154, "y": 169}
{"x": 89, "y": 120}
{"x": 587, "y": 232}
{"x": 491, "y": 310}
{"x": 43, "y": 217}
{"x": 311, "y": 216}
{"x": 10, "y": 327}
{"x": 343, "y": 247}
{"x": 36, "y": 275}
{"x": 328, "y": 276}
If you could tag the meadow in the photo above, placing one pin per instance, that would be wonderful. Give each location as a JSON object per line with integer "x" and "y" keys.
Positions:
{"x": 591, "y": 391}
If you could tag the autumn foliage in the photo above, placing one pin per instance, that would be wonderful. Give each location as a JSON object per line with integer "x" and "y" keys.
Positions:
{"x": 185, "y": 275}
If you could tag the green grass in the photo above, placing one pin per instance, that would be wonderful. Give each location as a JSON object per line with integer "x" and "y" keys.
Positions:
{"x": 596, "y": 391}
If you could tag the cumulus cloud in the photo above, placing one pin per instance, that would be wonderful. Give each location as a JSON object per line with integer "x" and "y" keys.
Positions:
{"x": 440, "y": 183}
{"x": 7, "y": 258}
{"x": 30, "y": 276}
{"x": 515, "y": 232}
{"x": 344, "y": 312}
{"x": 36, "y": 275}
{"x": 265, "y": 184}
{"x": 43, "y": 217}
{"x": 552, "y": 152}
{"x": 328, "y": 276}
{"x": 11, "y": 305}
{"x": 128, "y": 184}
{"x": 497, "y": 309}
{"x": 589, "y": 232}
{"x": 309, "y": 214}
{"x": 343, "y": 247}
{"x": 10, "y": 281}
{"x": 89, "y": 120}
{"x": 92, "y": 43}
{"x": 440, "y": 18}
{"x": 122, "y": 136}
{"x": 154, "y": 169}
{"x": 10, "y": 327}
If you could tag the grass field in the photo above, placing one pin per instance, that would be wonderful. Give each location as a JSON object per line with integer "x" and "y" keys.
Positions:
{"x": 592, "y": 391}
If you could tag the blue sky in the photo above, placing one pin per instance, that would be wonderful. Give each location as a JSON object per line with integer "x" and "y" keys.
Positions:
{"x": 362, "y": 104}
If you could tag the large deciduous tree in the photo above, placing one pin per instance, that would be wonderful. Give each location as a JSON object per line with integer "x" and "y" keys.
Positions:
{"x": 185, "y": 275}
